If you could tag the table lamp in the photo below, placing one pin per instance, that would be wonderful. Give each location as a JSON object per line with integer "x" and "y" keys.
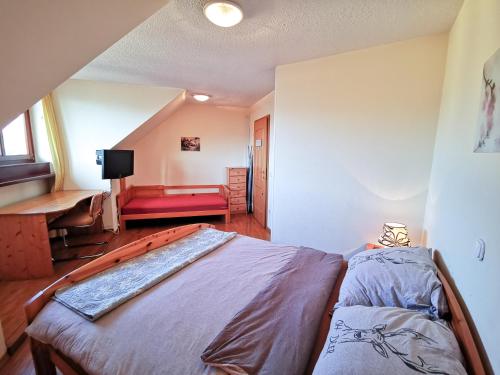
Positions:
{"x": 394, "y": 235}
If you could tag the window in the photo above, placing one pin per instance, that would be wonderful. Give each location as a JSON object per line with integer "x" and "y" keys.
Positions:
{"x": 17, "y": 158}
{"x": 16, "y": 143}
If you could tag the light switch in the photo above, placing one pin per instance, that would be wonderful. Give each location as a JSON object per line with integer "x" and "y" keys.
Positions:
{"x": 479, "y": 249}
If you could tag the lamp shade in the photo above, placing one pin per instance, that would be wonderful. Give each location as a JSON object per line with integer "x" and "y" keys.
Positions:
{"x": 394, "y": 235}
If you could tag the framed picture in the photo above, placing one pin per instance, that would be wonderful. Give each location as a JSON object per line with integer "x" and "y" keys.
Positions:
{"x": 488, "y": 135}
{"x": 190, "y": 144}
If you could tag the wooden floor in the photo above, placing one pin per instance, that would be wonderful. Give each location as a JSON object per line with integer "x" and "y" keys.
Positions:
{"x": 13, "y": 294}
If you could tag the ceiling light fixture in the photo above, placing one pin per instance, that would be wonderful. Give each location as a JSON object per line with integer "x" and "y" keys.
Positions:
{"x": 223, "y": 13}
{"x": 201, "y": 97}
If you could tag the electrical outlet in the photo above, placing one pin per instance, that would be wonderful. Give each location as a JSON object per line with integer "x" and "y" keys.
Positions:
{"x": 479, "y": 249}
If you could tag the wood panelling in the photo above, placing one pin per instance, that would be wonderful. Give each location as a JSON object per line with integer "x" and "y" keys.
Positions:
{"x": 24, "y": 247}
{"x": 24, "y": 240}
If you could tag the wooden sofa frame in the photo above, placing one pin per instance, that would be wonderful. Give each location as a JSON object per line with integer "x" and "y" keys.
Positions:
{"x": 46, "y": 358}
{"x": 157, "y": 191}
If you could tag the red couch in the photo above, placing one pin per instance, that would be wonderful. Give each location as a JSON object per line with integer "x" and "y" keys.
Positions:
{"x": 158, "y": 201}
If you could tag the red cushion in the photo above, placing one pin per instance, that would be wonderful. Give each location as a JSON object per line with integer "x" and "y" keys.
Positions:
{"x": 175, "y": 203}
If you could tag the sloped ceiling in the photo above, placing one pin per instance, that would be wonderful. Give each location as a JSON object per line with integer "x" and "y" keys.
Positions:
{"x": 44, "y": 42}
{"x": 98, "y": 115}
{"x": 178, "y": 47}
{"x": 157, "y": 119}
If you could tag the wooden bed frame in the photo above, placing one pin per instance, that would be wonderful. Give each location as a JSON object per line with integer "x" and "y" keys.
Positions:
{"x": 46, "y": 358}
{"x": 157, "y": 191}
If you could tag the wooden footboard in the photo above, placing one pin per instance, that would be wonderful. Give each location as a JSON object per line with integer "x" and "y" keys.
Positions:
{"x": 157, "y": 191}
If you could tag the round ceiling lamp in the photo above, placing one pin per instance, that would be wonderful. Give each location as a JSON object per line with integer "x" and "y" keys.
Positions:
{"x": 223, "y": 13}
{"x": 201, "y": 97}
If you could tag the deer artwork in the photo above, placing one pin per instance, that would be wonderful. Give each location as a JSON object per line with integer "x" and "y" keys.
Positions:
{"x": 488, "y": 108}
{"x": 377, "y": 337}
{"x": 381, "y": 257}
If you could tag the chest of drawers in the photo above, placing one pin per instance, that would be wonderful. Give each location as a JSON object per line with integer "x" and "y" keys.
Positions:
{"x": 237, "y": 182}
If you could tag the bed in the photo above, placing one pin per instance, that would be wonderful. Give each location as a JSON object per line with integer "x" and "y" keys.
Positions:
{"x": 205, "y": 296}
{"x": 160, "y": 201}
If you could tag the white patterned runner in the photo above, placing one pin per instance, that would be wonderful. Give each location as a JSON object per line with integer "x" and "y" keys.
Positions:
{"x": 103, "y": 292}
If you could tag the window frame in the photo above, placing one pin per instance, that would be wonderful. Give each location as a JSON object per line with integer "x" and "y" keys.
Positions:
{"x": 17, "y": 159}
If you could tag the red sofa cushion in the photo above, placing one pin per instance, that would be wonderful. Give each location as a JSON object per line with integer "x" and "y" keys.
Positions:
{"x": 175, "y": 203}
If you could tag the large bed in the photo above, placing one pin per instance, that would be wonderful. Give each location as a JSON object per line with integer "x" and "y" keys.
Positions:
{"x": 165, "y": 329}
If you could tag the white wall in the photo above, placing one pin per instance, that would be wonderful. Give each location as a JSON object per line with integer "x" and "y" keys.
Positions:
{"x": 223, "y": 132}
{"x": 98, "y": 115}
{"x": 15, "y": 193}
{"x": 463, "y": 203}
{"x": 40, "y": 137}
{"x": 57, "y": 38}
{"x": 263, "y": 107}
{"x": 354, "y": 141}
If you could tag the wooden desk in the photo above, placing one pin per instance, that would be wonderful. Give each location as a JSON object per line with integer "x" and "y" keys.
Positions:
{"x": 24, "y": 238}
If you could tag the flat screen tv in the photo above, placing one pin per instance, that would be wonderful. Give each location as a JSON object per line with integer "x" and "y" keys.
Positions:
{"x": 117, "y": 163}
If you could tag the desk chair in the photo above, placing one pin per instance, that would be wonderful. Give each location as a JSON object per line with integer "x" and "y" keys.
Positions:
{"x": 77, "y": 218}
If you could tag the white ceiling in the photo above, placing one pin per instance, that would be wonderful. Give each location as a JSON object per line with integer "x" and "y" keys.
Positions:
{"x": 179, "y": 47}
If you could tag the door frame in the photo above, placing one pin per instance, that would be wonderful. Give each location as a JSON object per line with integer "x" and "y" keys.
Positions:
{"x": 268, "y": 121}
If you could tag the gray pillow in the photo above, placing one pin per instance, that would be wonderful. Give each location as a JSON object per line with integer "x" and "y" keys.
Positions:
{"x": 350, "y": 253}
{"x": 397, "y": 277}
{"x": 388, "y": 340}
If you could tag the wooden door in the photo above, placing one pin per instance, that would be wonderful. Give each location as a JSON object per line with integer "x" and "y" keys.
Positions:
{"x": 260, "y": 166}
